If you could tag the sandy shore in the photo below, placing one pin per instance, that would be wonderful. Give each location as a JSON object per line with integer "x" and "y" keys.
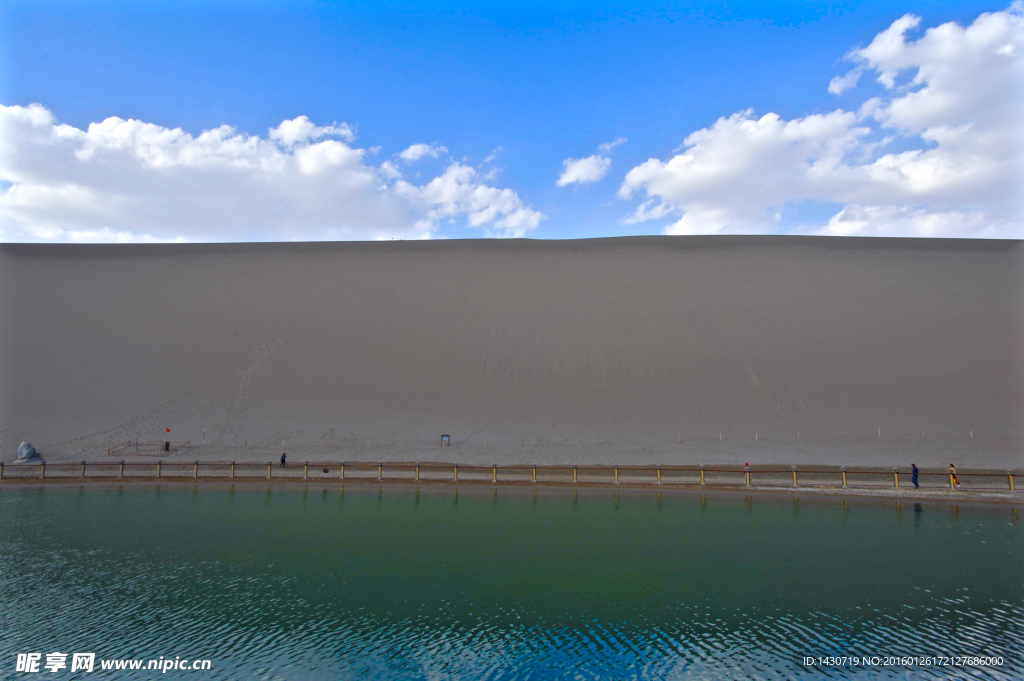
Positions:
{"x": 794, "y": 350}
{"x": 934, "y": 453}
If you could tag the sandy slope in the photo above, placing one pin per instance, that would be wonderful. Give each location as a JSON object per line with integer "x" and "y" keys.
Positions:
{"x": 546, "y": 350}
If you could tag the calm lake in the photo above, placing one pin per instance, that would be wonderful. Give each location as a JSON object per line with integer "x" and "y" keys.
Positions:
{"x": 320, "y": 583}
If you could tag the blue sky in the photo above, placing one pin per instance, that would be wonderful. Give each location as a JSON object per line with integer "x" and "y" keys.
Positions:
{"x": 527, "y": 84}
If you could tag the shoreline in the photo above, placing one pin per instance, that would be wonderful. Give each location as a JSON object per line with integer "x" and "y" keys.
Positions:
{"x": 973, "y": 497}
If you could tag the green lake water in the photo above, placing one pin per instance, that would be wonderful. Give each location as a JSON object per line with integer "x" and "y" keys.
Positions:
{"x": 320, "y": 583}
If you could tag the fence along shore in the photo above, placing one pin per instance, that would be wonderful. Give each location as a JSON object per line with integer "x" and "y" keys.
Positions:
{"x": 821, "y": 477}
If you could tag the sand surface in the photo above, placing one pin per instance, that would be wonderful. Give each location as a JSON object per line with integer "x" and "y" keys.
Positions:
{"x": 642, "y": 350}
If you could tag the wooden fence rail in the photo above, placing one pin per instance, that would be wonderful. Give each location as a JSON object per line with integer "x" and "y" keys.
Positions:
{"x": 424, "y": 471}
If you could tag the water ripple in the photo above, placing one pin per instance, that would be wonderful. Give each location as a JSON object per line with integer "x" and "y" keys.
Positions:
{"x": 388, "y": 587}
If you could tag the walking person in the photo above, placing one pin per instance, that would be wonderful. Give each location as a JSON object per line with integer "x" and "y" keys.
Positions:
{"x": 913, "y": 475}
{"x": 953, "y": 476}
{"x": 284, "y": 459}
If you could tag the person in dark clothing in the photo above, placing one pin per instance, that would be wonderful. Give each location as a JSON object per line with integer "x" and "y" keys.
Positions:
{"x": 284, "y": 458}
{"x": 913, "y": 475}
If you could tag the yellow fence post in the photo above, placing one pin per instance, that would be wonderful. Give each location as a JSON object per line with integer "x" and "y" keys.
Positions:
{"x": 494, "y": 473}
{"x": 896, "y": 477}
{"x": 342, "y": 471}
{"x": 232, "y": 469}
{"x": 380, "y": 471}
{"x": 1008, "y": 473}
{"x": 305, "y": 470}
{"x": 268, "y": 469}
{"x": 616, "y": 475}
{"x": 574, "y": 473}
{"x": 417, "y": 472}
{"x": 702, "y": 475}
{"x": 951, "y": 488}
{"x": 794, "y": 476}
{"x": 659, "y": 473}
{"x": 844, "y": 476}
{"x": 535, "y": 472}
{"x": 456, "y": 467}
{"x": 748, "y": 477}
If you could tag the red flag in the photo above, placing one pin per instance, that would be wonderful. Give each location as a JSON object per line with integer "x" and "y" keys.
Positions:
{"x": 167, "y": 429}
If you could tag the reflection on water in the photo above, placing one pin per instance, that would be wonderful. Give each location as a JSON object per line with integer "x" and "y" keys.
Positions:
{"x": 389, "y": 583}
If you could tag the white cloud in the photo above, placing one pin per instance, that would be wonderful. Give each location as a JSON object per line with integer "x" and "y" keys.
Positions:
{"x": 590, "y": 169}
{"x": 859, "y": 220}
{"x": 418, "y": 151}
{"x": 301, "y": 129}
{"x": 584, "y": 170}
{"x": 840, "y": 84}
{"x": 126, "y": 180}
{"x": 608, "y": 146}
{"x": 649, "y": 210}
{"x": 954, "y": 107}
{"x": 390, "y": 170}
{"x": 97, "y": 236}
{"x": 722, "y": 179}
{"x": 458, "y": 192}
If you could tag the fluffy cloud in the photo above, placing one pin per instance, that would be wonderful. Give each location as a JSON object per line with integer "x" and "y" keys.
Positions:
{"x": 584, "y": 170}
{"x": 951, "y": 102}
{"x": 589, "y": 169}
{"x": 418, "y": 151}
{"x": 458, "y": 192}
{"x": 840, "y": 84}
{"x": 301, "y": 129}
{"x": 126, "y": 180}
{"x": 859, "y": 220}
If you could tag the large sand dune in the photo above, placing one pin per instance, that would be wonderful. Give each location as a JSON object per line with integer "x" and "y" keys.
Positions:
{"x": 547, "y": 350}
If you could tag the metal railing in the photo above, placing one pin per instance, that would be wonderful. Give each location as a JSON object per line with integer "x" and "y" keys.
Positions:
{"x": 633, "y": 474}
